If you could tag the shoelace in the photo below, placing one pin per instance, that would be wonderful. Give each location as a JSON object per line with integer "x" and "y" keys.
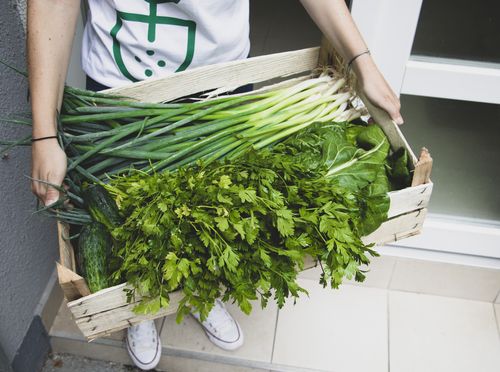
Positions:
{"x": 143, "y": 336}
{"x": 216, "y": 315}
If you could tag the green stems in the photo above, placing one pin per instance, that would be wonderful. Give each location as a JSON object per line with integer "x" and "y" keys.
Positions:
{"x": 110, "y": 135}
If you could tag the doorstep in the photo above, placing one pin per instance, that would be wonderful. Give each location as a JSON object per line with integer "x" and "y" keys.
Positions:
{"x": 429, "y": 276}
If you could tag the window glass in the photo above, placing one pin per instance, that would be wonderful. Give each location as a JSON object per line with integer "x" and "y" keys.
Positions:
{"x": 464, "y": 140}
{"x": 460, "y": 29}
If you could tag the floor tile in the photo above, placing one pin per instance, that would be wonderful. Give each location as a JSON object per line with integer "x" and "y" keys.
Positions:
{"x": 258, "y": 329}
{"x": 331, "y": 329}
{"x": 444, "y": 279}
{"x": 378, "y": 275}
{"x": 431, "y": 333}
{"x": 177, "y": 364}
{"x": 497, "y": 316}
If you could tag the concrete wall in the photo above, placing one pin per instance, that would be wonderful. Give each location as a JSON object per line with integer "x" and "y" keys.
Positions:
{"x": 28, "y": 246}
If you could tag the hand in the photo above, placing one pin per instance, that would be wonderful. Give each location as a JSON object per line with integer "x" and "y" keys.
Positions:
{"x": 376, "y": 88}
{"x": 49, "y": 164}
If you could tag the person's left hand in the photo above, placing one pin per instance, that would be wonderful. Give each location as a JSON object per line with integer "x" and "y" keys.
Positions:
{"x": 376, "y": 88}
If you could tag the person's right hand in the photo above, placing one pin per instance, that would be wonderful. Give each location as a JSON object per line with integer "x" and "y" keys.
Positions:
{"x": 376, "y": 88}
{"x": 49, "y": 164}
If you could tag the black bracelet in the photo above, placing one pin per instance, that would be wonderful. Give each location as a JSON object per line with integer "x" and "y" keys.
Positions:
{"x": 42, "y": 138}
{"x": 355, "y": 57}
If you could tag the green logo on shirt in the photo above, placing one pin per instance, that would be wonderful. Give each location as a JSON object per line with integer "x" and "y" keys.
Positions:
{"x": 152, "y": 20}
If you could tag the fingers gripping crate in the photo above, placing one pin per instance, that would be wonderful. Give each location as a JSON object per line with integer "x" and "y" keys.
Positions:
{"x": 107, "y": 311}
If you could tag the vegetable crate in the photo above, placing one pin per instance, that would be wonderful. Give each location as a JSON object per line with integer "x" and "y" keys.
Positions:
{"x": 107, "y": 311}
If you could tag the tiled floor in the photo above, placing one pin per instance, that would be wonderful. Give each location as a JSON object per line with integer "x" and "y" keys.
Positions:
{"x": 431, "y": 333}
{"x": 258, "y": 345}
{"x": 331, "y": 330}
{"x": 355, "y": 328}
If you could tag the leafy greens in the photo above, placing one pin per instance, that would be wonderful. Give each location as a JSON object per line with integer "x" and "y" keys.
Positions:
{"x": 241, "y": 228}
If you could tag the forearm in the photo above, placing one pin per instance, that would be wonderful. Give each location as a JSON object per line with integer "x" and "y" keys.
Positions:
{"x": 51, "y": 27}
{"x": 335, "y": 21}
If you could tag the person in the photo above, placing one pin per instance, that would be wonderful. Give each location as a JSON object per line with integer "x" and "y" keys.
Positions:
{"x": 128, "y": 41}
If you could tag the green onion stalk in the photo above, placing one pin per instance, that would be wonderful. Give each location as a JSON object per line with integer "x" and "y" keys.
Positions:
{"x": 105, "y": 135}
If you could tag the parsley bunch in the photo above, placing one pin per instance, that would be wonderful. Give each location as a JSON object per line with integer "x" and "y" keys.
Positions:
{"x": 240, "y": 229}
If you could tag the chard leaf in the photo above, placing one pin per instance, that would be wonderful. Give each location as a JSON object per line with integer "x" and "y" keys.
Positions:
{"x": 373, "y": 212}
{"x": 399, "y": 169}
{"x": 354, "y": 167}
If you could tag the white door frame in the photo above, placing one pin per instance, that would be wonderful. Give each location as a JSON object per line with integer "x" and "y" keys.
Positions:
{"x": 389, "y": 27}
{"x": 452, "y": 79}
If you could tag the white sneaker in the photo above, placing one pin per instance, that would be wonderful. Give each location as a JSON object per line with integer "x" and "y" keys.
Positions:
{"x": 221, "y": 328}
{"x": 144, "y": 345}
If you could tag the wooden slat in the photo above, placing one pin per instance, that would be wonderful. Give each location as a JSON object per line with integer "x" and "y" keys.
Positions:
{"x": 390, "y": 128}
{"x": 409, "y": 199}
{"x": 229, "y": 74}
{"x": 118, "y": 316}
{"x": 72, "y": 284}
{"x": 66, "y": 252}
{"x": 116, "y": 320}
{"x": 104, "y": 300}
{"x": 265, "y": 88}
{"x": 423, "y": 168}
{"x": 397, "y": 228}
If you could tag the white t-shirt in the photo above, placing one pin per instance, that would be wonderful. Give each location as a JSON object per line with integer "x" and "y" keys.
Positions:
{"x": 130, "y": 40}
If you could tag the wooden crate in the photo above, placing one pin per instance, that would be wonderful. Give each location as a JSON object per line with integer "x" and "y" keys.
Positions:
{"x": 101, "y": 313}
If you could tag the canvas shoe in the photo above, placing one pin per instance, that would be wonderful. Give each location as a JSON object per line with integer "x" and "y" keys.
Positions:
{"x": 221, "y": 328}
{"x": 144, "y": 345}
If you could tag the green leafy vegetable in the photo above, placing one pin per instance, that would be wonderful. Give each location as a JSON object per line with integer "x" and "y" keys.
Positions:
{"x": 399, "y": 169}
{"x": 241, "y": 229}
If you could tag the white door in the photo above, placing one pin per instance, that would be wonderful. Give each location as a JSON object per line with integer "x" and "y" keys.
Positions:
{"x": 448, "y": 50}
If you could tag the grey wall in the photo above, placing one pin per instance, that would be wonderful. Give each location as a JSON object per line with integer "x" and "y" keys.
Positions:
{"x": 28, "y": 246}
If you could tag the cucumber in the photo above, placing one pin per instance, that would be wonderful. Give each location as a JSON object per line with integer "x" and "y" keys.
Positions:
{"x": 94, "y": 251}
{"x": 101, "y": 206}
